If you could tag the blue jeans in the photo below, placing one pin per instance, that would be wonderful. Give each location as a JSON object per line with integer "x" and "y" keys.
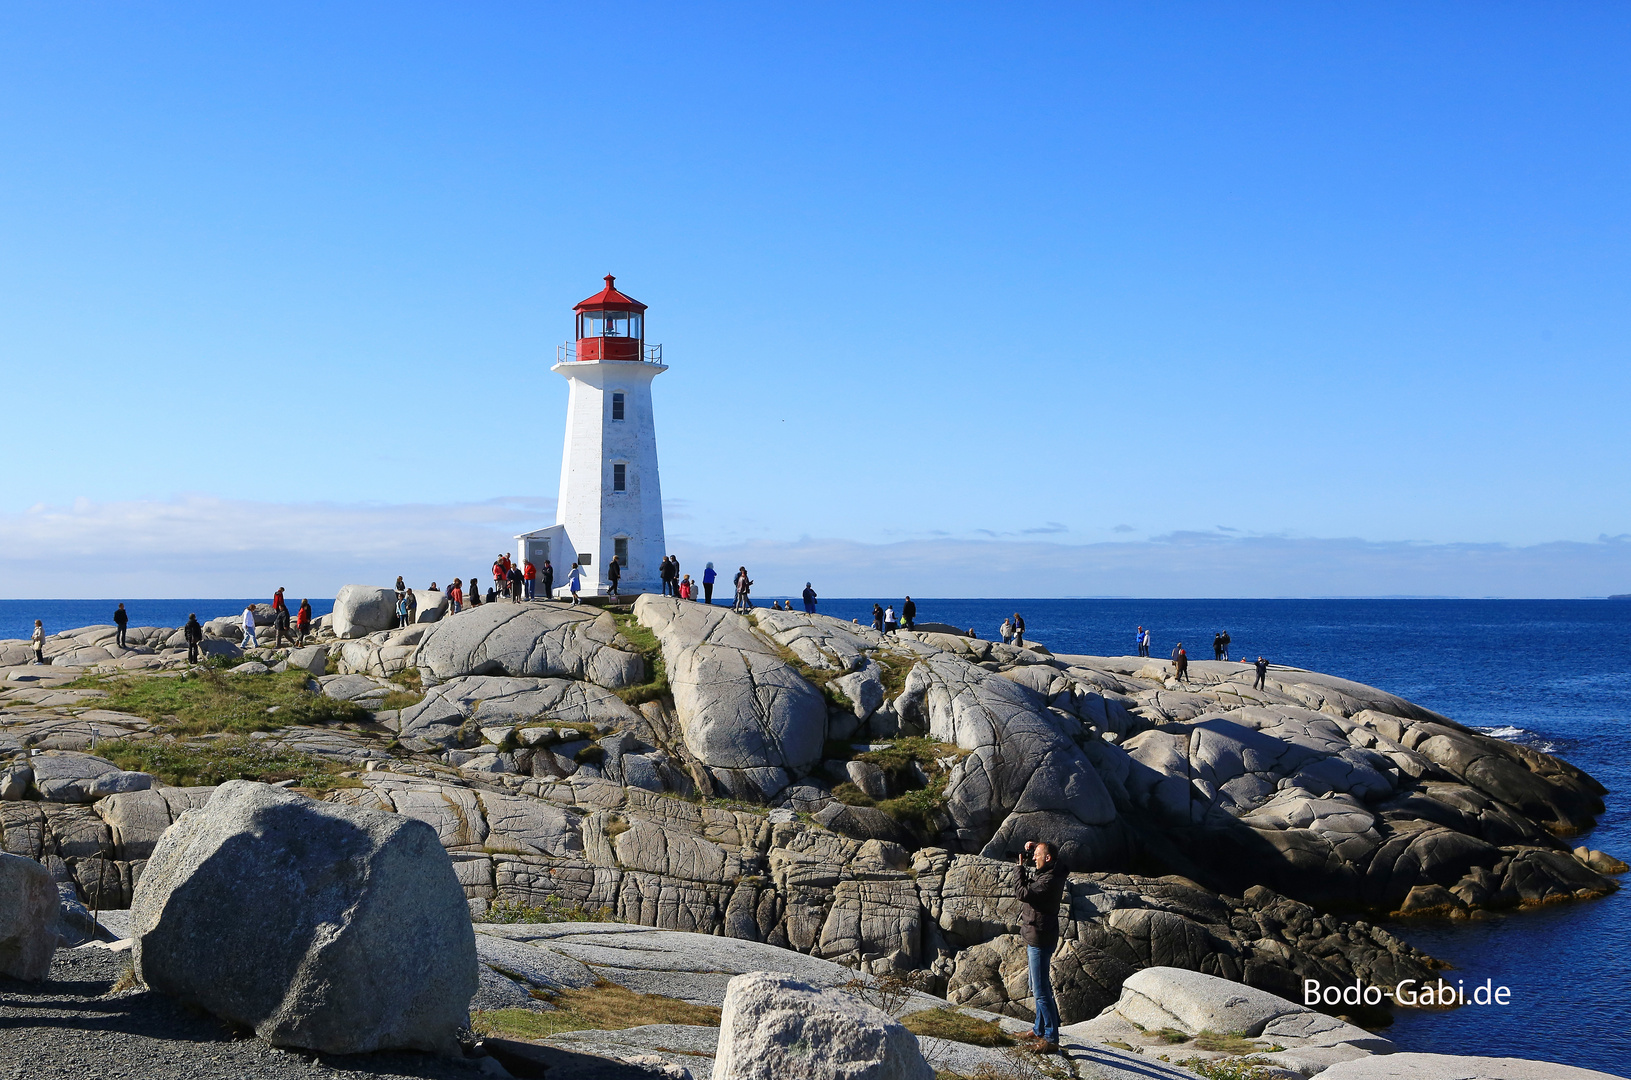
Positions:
{"x": 1047, "y": 1013}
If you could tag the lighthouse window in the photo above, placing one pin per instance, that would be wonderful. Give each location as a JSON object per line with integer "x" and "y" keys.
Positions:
{"x": 610, "y": 324}
{"x": 617, "y": 406}
{"x": 620, "y": 477}
{"x": 620, "y": 545}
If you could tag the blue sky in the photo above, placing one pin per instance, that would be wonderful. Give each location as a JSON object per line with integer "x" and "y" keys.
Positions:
{"x": 986, "y": 286}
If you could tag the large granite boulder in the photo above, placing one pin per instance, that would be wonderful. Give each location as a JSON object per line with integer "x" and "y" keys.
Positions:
{"x": 1026, "y": 778}
{"x": 28, "y": 918}
{"x": 775, "y": 1027}
{"x": 531, "y": 640}
{"x": 1456, "y": 1067}
{"x": 331, "y": 928}
{"x": 68, "y": 777}
{"x": 740, "y": 705}
{"x": 360, "y": 610}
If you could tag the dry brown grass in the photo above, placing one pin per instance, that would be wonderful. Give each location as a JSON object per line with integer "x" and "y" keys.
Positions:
{"x": 946, "y": 1023}
{"x": 604, "y": 1006}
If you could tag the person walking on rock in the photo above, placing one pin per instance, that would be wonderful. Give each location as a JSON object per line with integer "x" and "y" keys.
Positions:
{"x": 574, "y": 580}
{"x": 549, "y": 580}
{"x": 908, "y": 613}
{"x": 809, "y": 599}
{"x": 1019, "y": 630}
{"x": 302, "y": 622}
{"x": 193, "y": 635}
{"x": 37, "y": 639}
{"x": 280, "y": 622}
{"x": 614, "y": 574}
{"x": 1262, "y": 667}
{"x": 1039, "y": 890}
{"x": 249, "y": 641}
{"x": 120, "y": 619}
{"x": 708, "y": 576}
{"x": 1180, "y": 663}
{"x": 877, "y": 618}
{"x": 529, "y": 575}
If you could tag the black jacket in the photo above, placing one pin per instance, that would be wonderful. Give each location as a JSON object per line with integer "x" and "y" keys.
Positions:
{"x": 121, "y": 616}
{"x": 193, "y": 631}
{"x": 1039, "y": 892}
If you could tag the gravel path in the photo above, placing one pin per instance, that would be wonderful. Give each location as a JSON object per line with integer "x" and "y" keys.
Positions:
{"x": 69, "y": 1027}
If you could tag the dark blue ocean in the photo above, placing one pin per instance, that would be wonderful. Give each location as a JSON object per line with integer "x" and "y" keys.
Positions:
{"x": 1553, "y": 674}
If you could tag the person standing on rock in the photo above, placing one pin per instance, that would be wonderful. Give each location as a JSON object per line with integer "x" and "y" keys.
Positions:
{"x": 1019, "y": 630}
{"x": 549, "y": 580}
{"x": 401, "y": 586}
{"x": 708, "y": 576}
{"x": 1262, "y": 667}
{"x": 501, "y": 576}
{"x": 518, "y": 584}
{"x": 1223, "y": 640}
{"x": 529, "y": 574}
{"x": 37, "y": 639}
{"x": 1138, "y": 641}
{"x": 120, "y": 619}
{"x": 250, "y": 641}
{"x": 809, "y": 599}
{"x": 908, "y": 613}
{"x": 1180, "y": 663}
{"x": 744, "y": 591}
{"x": 574, "y": 580}
{"x": 614, "y": 574}
{"x": 889, "y": 623}
{"x": 1006, "y": 631}
{"x": 302, "y": 622}
{"x": 1040, "y": 887}
{"x": 401, "y": 611}
{"x": 192, "y": 634}
{"x": 1217, "y": 646}
{"x": 413, "y": 608}
{"x": 280, "y": 622}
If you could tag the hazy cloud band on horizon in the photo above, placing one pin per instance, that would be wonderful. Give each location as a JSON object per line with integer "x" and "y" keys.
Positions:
{"x": 206, "y": 546}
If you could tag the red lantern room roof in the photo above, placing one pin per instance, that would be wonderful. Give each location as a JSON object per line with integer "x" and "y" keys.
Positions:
{"x": 609, "y": 299}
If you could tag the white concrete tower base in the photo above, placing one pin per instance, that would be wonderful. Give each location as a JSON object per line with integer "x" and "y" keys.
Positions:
{"x": 595, "y": 513}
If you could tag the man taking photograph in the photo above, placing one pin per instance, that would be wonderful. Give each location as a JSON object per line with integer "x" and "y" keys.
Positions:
{"x": 1041, "y": 884}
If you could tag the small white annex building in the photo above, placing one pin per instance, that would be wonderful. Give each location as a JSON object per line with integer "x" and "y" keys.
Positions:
{"x": 611, "y": 501}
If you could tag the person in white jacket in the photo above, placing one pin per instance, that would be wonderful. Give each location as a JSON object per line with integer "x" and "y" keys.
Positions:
{"x": 574, "y": 581}
{"x": 249, "y": 641}
{"x": 38, "y": 640}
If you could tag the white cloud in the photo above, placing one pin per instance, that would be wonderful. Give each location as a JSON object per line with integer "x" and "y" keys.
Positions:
{"x": 204, "y": 546}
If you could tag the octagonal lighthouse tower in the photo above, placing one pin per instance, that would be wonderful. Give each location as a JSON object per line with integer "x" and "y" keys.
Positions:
{"x": 611, "y": 502}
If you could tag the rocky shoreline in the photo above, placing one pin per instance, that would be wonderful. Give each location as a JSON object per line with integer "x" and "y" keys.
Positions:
{"x": 804, "y": 783}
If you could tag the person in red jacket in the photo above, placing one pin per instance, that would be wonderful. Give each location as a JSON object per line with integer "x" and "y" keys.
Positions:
{"x": 529, "y": 574}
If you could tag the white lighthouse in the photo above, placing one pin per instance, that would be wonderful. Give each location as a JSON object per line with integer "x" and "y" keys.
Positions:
{"x": 611, "y": 501}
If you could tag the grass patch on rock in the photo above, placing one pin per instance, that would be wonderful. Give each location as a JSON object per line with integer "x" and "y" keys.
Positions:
{"x": 948, "y": 1023}
{"x": 552, "y": 910}
{"x": 655, "y": 687}
{"x": 605, "y": 1006}
{"x": 1230, "y": 1068}
{"x": 206, "y": 701}
{"x": 1231, "y": 1043}
{"x": 207, "y": 763}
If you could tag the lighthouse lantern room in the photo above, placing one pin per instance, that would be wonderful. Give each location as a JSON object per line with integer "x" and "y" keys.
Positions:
{"x": 611, "y": 503}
